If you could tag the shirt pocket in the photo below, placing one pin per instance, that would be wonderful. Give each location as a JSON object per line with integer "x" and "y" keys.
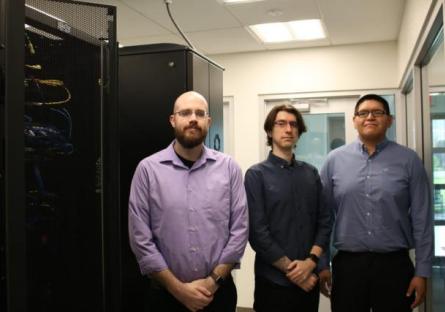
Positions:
{"x": 391, "y": 182}
{"x": 218, "y": 200}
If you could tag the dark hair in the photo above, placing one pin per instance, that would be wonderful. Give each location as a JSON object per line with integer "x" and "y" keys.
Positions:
{"x": 374, "y": 97}
{"x": 270, "y": 120}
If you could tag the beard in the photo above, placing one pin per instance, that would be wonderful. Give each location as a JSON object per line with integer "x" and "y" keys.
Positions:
{"x": 190, "y": 141}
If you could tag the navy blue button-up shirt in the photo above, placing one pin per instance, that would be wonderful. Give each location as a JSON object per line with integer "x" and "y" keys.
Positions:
{"x": 286, "y": 213}
{"x": 381, "y": 202}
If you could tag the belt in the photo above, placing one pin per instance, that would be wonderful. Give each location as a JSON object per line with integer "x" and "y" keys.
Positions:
{"x": 395, "y": 253}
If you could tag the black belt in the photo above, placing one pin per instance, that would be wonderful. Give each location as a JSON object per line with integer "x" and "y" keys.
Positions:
{"x": 395, "y": 253}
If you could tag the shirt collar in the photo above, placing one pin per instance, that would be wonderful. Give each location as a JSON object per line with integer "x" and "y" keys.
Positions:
{"x": 282, "y": 162}
{"x": 380, "y": 146}
{"x": 170, "y": 156}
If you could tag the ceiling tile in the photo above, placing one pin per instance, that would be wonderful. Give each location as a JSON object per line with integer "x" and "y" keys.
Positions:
{"x": 352, "y": 21}
{"x": 224, "y": 41}
{"x": 190, "y": 15}
{"x": 269, "y": 11}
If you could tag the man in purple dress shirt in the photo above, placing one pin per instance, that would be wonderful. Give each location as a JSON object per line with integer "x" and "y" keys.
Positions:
{"x": 188, "y": 223}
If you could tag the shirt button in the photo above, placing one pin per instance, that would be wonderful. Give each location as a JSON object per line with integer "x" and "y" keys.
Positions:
{"x": 369, "y": 233}
{"x": 195, "y": 269}
{"x": 367, "y": 177}
{"x": 368, "y": 214}
{"x": 367, "y": 195}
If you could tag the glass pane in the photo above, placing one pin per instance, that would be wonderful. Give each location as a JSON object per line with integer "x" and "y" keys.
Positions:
{"x": 391, "y": 133}
{"x": 325, "y": 133}
{"x": 436, "y": 82}
{"x": 216, "y": 131}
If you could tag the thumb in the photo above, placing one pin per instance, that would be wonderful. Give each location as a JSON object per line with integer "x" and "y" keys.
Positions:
{"x": 204, "y": 291}
{"x": 329, "y": 282}
{"x": 291, "y": 265}
{"x": 410, "y": 290}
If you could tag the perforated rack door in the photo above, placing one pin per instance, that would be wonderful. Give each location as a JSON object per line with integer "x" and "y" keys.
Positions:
{"x": 70, "y": 186}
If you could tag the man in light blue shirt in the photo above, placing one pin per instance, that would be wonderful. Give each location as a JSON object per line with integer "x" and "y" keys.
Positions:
{"x": 188, "y": 217}
{"x": 380, "y": 195}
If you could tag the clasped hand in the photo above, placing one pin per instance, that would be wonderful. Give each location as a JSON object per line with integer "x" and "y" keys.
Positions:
{"x": 300, "y": 273}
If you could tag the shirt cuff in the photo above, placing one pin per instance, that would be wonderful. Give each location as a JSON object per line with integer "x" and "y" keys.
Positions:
{"x": 423, "y": 270}
{"x": 155, "y": 263}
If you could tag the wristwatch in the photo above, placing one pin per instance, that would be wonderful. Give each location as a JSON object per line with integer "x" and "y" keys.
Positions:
{"x": 314, "y": 258}
{"x": 219, "y": 280}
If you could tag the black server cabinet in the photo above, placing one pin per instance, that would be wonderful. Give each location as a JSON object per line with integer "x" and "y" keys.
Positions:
{"x": 12, "y": 202}
{"x": 151, "y": 77}
{"x": 60, "y": 158}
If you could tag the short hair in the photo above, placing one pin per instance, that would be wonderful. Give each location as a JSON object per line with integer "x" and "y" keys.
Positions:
{"x": 373, "y": 97}
{"x": 270, "y": 120}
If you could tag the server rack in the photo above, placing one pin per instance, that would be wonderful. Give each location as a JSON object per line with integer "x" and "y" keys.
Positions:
{"x": 151, "y": 77}
{"x": 60, "y": 220}
{"x": 12, "y": 204}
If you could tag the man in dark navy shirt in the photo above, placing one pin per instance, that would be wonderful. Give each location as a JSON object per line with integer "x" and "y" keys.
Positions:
{"x": 289, "y": 224}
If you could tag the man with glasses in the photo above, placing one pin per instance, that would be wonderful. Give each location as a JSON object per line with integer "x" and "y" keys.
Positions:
{"x": 380, "y": 196}
{"x": 188, "y": 217}
{"x": 289, "y": 224}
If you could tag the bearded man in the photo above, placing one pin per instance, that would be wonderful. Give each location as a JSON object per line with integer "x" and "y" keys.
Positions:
{"x": 188, "y": 223}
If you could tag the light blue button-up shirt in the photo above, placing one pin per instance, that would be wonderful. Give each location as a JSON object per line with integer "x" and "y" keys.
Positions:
{"x": 187, "y": 220}
{"x": 381, "y": 202}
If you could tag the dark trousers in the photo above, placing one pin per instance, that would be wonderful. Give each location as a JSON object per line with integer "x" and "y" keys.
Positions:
{"x": 224, "y": 300}
{"x": 362, "y": 281}
{"x": 270, "y": 297}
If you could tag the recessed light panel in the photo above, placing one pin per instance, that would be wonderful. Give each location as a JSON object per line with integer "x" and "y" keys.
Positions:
{"x": 307, "y": 29}
{"x": 290, "y": 31}
{"x": 272, "y": 32}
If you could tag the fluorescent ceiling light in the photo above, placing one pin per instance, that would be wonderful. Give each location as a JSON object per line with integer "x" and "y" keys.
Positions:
{"x": 239, "y": 1}
{"x": 289, "y": 31}
{"x": 307, "y": 29}
{"x": 272, "y": 32}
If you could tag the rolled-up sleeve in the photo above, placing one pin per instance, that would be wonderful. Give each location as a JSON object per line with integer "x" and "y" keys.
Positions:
{"x": 238, "y": 225}
{"x": 142, "y": 244}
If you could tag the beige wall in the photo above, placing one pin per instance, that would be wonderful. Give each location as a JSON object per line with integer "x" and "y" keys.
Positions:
{"x": 249, "y": 75}
{"x": 324, "y": 69}
{"x": 414, "y": 18}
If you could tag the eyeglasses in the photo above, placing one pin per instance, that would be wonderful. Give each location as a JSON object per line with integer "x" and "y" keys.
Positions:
{"x": 187, "y": 113}
{"x": 374, "y": 113}
{"x": 284, "y": 123}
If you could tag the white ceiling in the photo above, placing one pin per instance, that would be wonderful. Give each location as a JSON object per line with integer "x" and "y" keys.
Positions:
{"x": 215, "y": 28}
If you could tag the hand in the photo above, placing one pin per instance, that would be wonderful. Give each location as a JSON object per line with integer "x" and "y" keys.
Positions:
{"x": 194, "y": 296}
{"x": 208, "y": 283}
{"x": 325, "y": 282}
{"x": 309, "y": 283}
{"x": 417, "y": 284}
{"x": 299, "y": 271}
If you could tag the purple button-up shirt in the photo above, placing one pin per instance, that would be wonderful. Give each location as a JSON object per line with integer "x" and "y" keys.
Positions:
{"x": 187, "y": 220}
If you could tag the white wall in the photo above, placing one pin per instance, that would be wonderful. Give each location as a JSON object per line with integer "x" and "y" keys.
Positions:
{"x": 249, "y": 75}
{"x": 414, "y": 17}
